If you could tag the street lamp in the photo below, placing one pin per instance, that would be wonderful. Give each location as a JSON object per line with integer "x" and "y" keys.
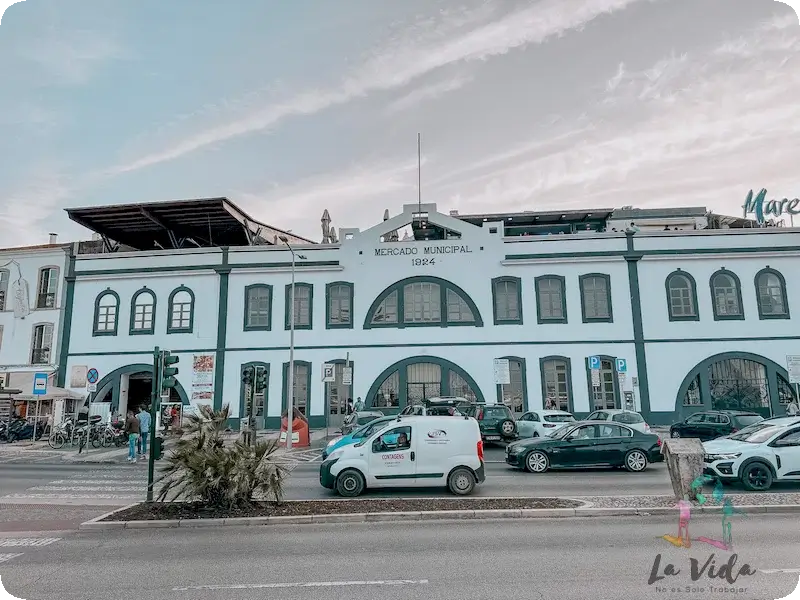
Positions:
{"x": 290, "y": 391}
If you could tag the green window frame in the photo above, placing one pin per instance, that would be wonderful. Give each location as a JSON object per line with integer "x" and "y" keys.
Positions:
{"x": 106, "y": 316}
{"x": 767, "y": 292}
{"x": 339, "y": 296}
{"x": 523, "y": 371}
{"x": 435, "y": 302}
{"x": 549, "y": 381}
{"x": 185, "y": 317}
{"x": 248, "y": 324}
{"x": 299, "y": 299}
{"x": 139, "y": 318}
{"x": 285, "y": 387}
{"x": 545, "y": 286}
{"x": 686, "y": 296}
{"x": 504, "y": 297}
{"x": 588, "y": 285}
{"x": 729, "y": 293}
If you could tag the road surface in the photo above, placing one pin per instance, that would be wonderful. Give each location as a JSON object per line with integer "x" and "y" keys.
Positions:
{"x": 570, "y": 559}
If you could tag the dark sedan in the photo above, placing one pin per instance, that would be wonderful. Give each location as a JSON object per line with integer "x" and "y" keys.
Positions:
{"x": 711, "y": 424}
{"x": 587, "y": 444}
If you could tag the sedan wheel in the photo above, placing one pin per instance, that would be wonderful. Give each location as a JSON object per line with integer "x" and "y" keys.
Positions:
{"x": 675, "y": 434}
{"x": 537, "y": 462}
{"x": 635, "y": 461}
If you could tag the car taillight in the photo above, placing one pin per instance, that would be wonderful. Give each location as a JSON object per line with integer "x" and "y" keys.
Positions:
{"x": 479, "y": 415}
{"x": 658, "y": 443}
{"x": 480, "y": 450}
{"x": 647, "y": 427}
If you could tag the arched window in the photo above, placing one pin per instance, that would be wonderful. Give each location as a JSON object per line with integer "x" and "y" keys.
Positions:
{"x": 301, "y": 382}
{"x": 258, "y": 307}
{"x": 507, "y": 300}
{"x": 106, "y": 313}
{"x": 4, "y": 278}
{"x": 181, "y": 310}
{"x": 339, "y": 305}
{"x": 771, "y": 295}
{"x": 551, "y": 299}
{"x": 557, "y": 382}
{"x": 143, "y": 312}
{"x": 596, "y": 298}
{"x": 681, "y": 297}
{"x": 514, "y": 394}
{"x": 726, "y": 296}
{"x": 423, "y": 302}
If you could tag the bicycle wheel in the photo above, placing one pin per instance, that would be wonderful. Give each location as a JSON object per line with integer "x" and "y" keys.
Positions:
{"x": 56, "y": 441}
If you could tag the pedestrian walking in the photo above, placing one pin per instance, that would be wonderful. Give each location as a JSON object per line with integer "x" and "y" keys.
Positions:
{"x": 792, "y": 409}
{"x": 144, "y": 430}
{"x": 550, "y": 404}
{"x": 132, "y": 429}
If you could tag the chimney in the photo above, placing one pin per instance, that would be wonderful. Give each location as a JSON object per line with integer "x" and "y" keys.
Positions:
{"x": 53, "y": 238}
{"x": 453, "y": 213}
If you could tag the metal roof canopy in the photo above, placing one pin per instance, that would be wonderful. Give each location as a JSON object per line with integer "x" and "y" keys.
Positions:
{"x": 553, "y": 217}
{"x": 175, "y": 224}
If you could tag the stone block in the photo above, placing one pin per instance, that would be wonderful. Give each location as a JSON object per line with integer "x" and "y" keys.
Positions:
{"x": 684, "y": 459}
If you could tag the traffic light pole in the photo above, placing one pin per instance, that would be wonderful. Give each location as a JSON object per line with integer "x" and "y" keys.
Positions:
{"x": 155, "y": 389}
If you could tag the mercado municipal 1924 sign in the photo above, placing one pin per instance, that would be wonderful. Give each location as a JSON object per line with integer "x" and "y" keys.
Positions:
{"x": 422, "y": 256}
{"x": 760, "y": 207}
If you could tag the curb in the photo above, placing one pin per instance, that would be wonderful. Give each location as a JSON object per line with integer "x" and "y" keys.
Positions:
{"x": 441, "y": 515}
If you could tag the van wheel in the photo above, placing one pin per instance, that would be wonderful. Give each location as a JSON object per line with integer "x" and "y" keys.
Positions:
{"x": 461, "y": 482}
{"x": 350, "y": 483}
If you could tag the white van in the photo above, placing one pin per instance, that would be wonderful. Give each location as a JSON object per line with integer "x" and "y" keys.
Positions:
{"x": 410, "y": 452}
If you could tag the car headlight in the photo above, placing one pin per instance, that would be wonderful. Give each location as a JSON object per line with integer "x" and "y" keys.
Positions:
{"x": 335, "y": 455}
{"x": 334, "y": 441}
{"x": 710, "y": 458}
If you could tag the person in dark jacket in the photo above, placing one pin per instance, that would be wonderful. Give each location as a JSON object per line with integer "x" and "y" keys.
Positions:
{"x": 132, "y": 429}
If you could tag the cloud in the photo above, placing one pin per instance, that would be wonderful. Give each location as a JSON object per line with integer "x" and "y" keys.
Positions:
{"x": 429, "y": 92}
{"x": 26, "y": 206}
{"x": 69, "y": 57}
{"x": 424, "y": 51}
{"x": 723, "y": 116}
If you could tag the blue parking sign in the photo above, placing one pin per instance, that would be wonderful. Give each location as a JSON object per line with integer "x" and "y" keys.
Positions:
{"x": 594, "y": 363}
{"x": 622, "y": 365}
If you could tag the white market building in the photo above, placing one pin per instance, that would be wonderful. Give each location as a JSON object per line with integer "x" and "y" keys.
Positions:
{"x": 702, "y": 316}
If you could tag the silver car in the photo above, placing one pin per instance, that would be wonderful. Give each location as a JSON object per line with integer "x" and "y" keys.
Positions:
{"x": 626, "y": 417}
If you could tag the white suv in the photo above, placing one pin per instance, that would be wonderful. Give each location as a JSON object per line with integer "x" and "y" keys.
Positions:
{"x": 618, "y": 415}
{"x": 757, "y": 455}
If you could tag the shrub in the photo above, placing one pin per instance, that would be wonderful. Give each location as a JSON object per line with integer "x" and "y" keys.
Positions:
{"x": 202, "y": 468}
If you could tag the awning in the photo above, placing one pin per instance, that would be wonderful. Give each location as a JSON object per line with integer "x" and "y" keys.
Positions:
{"x": 53, "y": 393}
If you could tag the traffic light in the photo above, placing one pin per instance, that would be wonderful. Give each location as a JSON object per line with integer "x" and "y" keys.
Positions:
{"x": 261, "y": 380}
{"x": 168, "y": 372}
{"x": 247, "y": 376}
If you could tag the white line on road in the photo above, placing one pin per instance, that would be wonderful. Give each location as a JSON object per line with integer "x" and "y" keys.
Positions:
{"x": 140, "y": 480}
{"x": 37, "y": 496}
{"x": 104, "y": 488}
{"x": 7, "y": 557}
{"x": 775, "y": 571}
{"x": 308, "y": 584}
{"x": 8, "y": 542}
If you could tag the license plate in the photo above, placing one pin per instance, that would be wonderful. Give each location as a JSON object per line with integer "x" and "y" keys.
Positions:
{"x": 492, "y": 438}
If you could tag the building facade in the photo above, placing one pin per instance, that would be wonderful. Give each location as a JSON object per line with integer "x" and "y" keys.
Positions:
{"x": 702, "y": 318}
{"x": 31, "y": 310}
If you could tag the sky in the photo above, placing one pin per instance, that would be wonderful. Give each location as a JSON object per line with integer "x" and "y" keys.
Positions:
{"x": 289, "y": 109}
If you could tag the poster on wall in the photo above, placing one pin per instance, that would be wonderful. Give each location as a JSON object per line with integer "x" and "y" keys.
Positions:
{"x": 202, "y": 378}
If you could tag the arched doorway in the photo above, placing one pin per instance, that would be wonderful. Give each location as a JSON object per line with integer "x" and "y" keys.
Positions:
{"x": 736, "y": 381}
{"x": 129, "y": 386}
{"x": 419, "y": 378}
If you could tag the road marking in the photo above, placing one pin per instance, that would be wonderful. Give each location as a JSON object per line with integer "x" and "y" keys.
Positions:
{"x": 8, "y": 542}
{"x": 774, "y": 571}
{"x": 131, "y": 481}
{"x": 38, "y": 496}
{"x": 309, "y": 584}
{"x": 7, "y": 557}
{"x": 80, "y": 488}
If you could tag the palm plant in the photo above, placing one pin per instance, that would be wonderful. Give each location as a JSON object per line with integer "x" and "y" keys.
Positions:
{"x": 203, "y": 469}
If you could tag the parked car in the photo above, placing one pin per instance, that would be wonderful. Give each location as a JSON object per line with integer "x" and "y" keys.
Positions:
{"x": 412, "y": 452}
{"x": 758, "y": 455}
{"x": 357, "y": 435}
{"x": 540, "y": 423}
{"x": 358, "y": 418}
{"x": 496, "y": 422}
{"x": 626, "y": 417}
{"x": 709, "y": 425}
{"x": 587, "y": 444}
{"x": 438, "y": 407}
